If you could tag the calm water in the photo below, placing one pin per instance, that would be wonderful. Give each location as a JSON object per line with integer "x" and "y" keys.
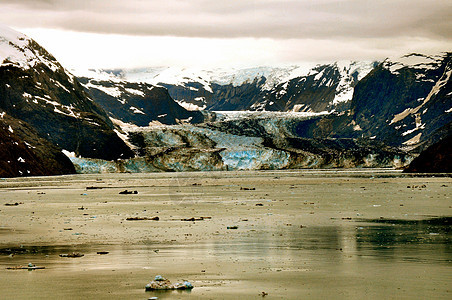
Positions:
{"x": 363, "y": 259}
{"x": 331, "y": 257}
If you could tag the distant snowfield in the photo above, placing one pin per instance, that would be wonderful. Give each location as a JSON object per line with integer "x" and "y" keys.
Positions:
{"x": 181, "y": 76}
{"x": 221, "y": 76}
{"x": 276, "y": 78}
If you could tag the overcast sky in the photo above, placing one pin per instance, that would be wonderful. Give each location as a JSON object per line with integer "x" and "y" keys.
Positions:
{"x": 139, "y": 33}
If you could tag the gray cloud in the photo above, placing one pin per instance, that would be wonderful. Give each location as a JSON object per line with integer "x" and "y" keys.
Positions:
{"x": 137, "y": 33}
{"x": 276, "y": 19}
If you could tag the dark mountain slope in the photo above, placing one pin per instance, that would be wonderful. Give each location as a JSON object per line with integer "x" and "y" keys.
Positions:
{"x": 405, "y": 106}
{"x": 435, "y": 159}
{"x": 24, "y": 153}
{"x": 138, "y": 103}
{"x": 401, "y": 104}
{"x": 35, "y": 88}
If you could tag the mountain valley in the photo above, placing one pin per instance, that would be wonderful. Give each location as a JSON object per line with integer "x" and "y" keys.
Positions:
{"x": 338, "y": 115}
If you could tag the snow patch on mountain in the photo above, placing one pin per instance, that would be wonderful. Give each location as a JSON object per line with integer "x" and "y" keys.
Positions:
{"x": 69, "y": 153}
{"x": 190, "y": 106}
{"x": 182, "y": 77}
{"x": 135, "y": 92}
{"x": 413, "y": 61}
{"x": 98, "y": 74}
{"x": 273, "y": 75}
{"x": 435, "y": 90}
{"x": 112, "y": 91}
{"x": 16, "y": 50}
{"x": 60, "y": 85}
{"x": 414, "y": 140}
{"x": 67, "y": 110}
{"x": 136, "y": 110}
{"x": 350, "y": 72}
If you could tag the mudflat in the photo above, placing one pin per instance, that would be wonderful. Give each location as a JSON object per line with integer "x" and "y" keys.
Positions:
{"x": 298, "y": 234}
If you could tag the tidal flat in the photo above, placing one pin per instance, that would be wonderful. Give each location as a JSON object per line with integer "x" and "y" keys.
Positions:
{"x": 297, "y": 234}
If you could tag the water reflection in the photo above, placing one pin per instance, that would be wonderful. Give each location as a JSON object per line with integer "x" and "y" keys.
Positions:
{"x": 336, "y": 254}
{"x": 170, "y": 294}
{"x": 422, "y": 240}
{"x": 364, "y": 235}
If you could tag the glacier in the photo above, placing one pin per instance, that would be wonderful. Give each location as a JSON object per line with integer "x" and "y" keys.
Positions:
{"x": 254, "y": 141}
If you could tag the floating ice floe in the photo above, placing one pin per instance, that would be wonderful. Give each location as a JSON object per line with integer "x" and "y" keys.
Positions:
{"x": 161, "y": 283}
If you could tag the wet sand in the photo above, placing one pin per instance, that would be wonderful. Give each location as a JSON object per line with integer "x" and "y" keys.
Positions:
{"x": 299, "y": 234}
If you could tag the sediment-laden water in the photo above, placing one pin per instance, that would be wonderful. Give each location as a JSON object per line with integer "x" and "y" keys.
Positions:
{"x": 323, "y": 234}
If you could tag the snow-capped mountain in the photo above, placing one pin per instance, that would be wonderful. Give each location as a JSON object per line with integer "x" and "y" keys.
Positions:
{"x": 404, "y": 102}
{"x": 307, "y": 88}
{"x": 138, "y": 103}
{"x": 182, "y": 76}
{"x": 323, "y": 88}
{"x": 342, "y": 114}
{"x": 393, "y": 101}
{"x": 410, "y": 97}
{"x": 38, "y": 92}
